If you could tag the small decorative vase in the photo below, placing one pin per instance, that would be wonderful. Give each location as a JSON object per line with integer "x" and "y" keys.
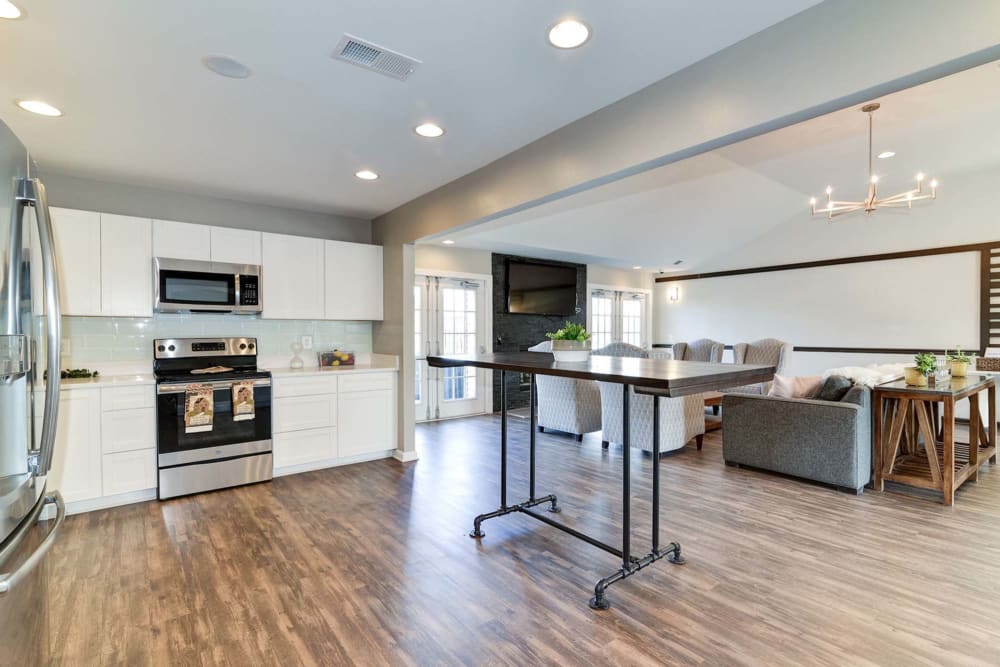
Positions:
{"x": 959, "y": 369}
{"x": 296, "y": 361}
{"x": 914, "y": 378}
{"x": 571, "y": 351}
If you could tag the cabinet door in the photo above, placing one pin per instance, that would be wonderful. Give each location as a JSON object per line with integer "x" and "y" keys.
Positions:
{"x": 304, "y": 447}
{"x": 235, "y": 246}
{"x": 293, "y": 277}
{"x": 129, "y": 471}
{"x": 182, "y": 240}
{"x": 366, "y": 422}
{"x": 126, "y": 266}
{"x": 353, "y": 281}
{"x": 128, "y": 430}
{"x": 78, "y": 256}
{"x": 76, "y": 461}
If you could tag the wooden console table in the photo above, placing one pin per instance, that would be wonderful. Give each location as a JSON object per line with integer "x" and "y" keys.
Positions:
{"x": 903, "y": 414}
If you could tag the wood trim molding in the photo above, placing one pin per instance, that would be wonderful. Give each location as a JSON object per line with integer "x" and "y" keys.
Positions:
{"x": 857, "y": 259}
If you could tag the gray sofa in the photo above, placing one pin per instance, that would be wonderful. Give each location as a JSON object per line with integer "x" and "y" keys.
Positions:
{"x": 825, "y": 441}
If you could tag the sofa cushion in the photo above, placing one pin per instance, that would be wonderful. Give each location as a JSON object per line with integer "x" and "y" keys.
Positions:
{"x": 833, "y": 388}
{"x": 805, "y": 386}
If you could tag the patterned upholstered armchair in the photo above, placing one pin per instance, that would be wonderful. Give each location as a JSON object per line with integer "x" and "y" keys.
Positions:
{"x": 565, "y": 404}
{"x": 768, "y": 351}
{"x": 703, "y": 349}
{"x": 681, "y": 419}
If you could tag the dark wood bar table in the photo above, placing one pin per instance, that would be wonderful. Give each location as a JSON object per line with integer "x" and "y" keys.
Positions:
{"x": 903, "y": 413}
{"x": 657, "y": 377}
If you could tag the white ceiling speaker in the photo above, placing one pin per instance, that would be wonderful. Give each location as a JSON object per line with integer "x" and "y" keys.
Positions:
{"x": 373, "y": 57}
{"x": 226, "y": 66}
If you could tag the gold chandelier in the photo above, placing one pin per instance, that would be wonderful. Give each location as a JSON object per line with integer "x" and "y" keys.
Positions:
{"x": 872, "y": 202}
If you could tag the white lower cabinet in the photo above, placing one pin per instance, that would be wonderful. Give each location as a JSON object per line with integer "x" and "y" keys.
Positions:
{"x": 304, "y": 447}
{"x": 128, "y": 430}
{"x": 76, "y": 460}
{"x": 366, "y": 424}
{"x": 321, "y": 420}
{"x": 125, "y": 472}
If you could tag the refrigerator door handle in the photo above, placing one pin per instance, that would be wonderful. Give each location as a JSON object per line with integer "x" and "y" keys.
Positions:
{"x": 10, "y": 579}
{"x": 33, "y": 190}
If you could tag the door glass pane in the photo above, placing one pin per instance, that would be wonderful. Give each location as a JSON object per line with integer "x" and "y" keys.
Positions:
{"x": 632, "y": 311}
{"x": 601, "y": 324}
{"x": 418, "y": 321}
{"x": 459, "y": 319}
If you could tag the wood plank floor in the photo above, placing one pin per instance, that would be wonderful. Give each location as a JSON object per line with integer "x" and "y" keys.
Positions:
{"x": 371, "y": 564}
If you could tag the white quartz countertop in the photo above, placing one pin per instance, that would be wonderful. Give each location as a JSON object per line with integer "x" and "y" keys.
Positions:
{"x": 374, "y": 366}
{"x": 137, "y": 379}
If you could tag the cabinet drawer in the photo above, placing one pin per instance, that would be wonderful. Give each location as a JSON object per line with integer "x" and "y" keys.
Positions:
{"x": 298, "y": 413}
{"x": 366, "y": 382}
{"x": 127, "y": 430}
{"x": 127, "y": 398}
{"x": 125, "y": 472}
{"x": 307, "y": 386}
{"x": 305, "y": 447}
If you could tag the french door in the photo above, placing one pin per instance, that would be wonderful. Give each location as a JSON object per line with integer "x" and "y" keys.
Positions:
{"x": 618, "y": 316}
{"x": 449, "y": 318}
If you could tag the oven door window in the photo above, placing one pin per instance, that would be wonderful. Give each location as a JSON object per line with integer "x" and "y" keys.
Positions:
{"x": 170, "y": 435}
{"x": 197, "y": 288}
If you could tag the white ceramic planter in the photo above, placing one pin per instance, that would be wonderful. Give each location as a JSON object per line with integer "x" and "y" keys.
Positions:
{"x": 571, "y": 351}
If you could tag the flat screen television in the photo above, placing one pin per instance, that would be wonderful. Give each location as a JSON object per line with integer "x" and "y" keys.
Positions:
{"x": 540, "y": 288}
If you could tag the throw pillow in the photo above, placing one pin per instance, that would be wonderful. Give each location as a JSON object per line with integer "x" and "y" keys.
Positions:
{"x": 834, "y": 388}
{"x": 784, "y": 386}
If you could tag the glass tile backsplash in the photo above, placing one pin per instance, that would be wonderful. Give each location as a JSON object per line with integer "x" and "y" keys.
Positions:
{"x": 96, "y": 340}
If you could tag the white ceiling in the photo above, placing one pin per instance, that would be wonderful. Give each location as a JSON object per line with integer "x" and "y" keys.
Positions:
{"x": 703, "y": 208}
{"x": 141, "y": 109}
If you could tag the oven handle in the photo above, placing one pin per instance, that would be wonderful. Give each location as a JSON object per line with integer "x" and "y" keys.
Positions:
{"x": 180, "y": 388}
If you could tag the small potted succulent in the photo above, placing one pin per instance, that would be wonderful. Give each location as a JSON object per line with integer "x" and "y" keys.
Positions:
{"x": 959, "y": 363}
{"x": 571, "y": 343}
{"x": 916, "y": 376}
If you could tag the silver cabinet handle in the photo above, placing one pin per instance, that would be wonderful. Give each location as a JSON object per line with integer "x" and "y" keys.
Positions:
{"x": 32, "y": 190}
{"x": 181, "y": 388}
{"x": 11, "y": 579}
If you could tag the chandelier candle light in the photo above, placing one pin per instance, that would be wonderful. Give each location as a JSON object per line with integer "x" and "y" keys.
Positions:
{"x": 872, "y": 202}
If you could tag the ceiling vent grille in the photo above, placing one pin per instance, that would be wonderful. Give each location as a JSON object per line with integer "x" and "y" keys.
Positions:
{"x": 374, "y": 57}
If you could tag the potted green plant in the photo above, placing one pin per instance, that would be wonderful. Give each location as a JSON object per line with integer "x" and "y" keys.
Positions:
{"x": 959, "y": 363}
{"x": 917, "y": 375}
{"x": 571, "y": 343}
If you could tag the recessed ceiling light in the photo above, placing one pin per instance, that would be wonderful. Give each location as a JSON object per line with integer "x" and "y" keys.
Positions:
{"x": 448, "y": 242}
{"x": 226, "y": 66}
{"x": 366, "y": 175}
{"x": 569, "y": 34}
{"x": 39, "y": 107}
{"x": 885, "y": 154}
{"x": 8, "y": 10}
{"x": 429, "y": 130}
{"x": 637, "y": 267}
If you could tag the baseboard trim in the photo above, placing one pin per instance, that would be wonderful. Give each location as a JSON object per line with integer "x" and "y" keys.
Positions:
{"x": 405, "y": 456}
{"x": 105, "y": 502}
{"x": 331, "y": 463}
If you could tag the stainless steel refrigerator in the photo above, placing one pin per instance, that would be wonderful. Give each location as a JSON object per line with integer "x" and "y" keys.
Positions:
{"x": 26, "y": 456}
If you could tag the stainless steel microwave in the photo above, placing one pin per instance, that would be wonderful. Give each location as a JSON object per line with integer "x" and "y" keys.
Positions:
{"x": 189, "y": 286}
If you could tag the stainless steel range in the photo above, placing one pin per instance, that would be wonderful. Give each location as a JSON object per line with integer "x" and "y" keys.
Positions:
{"x": 210, "y": 434}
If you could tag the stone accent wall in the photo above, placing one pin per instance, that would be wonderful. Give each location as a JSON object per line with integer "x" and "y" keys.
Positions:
{"x": 515, "y": 332}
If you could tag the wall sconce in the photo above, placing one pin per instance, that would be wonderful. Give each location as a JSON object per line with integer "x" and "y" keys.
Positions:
{"x": 674, "y": 294}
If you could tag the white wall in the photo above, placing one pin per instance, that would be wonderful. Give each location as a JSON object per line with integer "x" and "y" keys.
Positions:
{"x": 455, "y": 260}
{"x": 608, "y": 276}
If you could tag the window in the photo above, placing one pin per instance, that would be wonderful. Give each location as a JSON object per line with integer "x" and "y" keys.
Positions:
{"x": 458, "y": 311}
{"x": 617, "y": 316}
{"x": 601, "y": 319}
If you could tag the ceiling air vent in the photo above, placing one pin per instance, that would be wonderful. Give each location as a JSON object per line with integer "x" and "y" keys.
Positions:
{"x": 374, "y": 57}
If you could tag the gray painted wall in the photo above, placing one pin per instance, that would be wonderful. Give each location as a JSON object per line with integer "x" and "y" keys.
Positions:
{"x": 74, "y": 192}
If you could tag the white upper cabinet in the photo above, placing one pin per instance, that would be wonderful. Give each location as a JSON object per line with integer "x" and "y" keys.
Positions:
{"x": 235, "y": 246}
{"x": 353, "y": 281}
{"x": 126, "y": 266}
{"x": 78, "y": 257}
{"x": 182, "y": 240}
{"x": 293, "y": 286}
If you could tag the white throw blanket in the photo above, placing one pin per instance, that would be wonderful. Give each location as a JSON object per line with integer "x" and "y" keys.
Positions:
{"x": 870, "y": 375}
